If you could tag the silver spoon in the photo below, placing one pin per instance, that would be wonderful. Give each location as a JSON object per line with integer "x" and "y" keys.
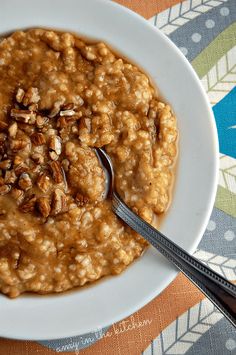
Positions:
{"x": 220, "y": 291}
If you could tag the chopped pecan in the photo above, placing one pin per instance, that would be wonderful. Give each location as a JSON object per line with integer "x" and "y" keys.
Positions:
{"x": 20, "y": 95}
{"x": 62, "y": 122}
{"x": 10, "y": 177}
{"x": 37, "y": 158}
{"x": 31, "y": 96}
{"x": 33, "y": 107}
{"x": 53, "y": 155}
{"x": 24, "y": 116}
{"x": 56, "y": 108}
{"x": 43, "y": 204}
{"x": 18, "y": 160}
{"x": 12, "y": 130}
{"x": 3, "y": 137}
{"x": 41, "y": 121}
{"x": 43, "y": 182}
{"x": 28, "y": 204}
{"x": 3, "y": 125}
{"x": 4, "y": 189}
{"x": 18, "y": 144}
{"x": 68, "y": 106}
{"x": 85, "y": 123}
{"x": 5, "y": 164}
{"x": 57, "y": 171}
{"x": 81, "y": 200}
{"x": 55, "y": 144}
{"x": 18, "y": 195}
{"x": 28, "y": 129}
{"x": 2, "y": 181}
{"x": 38, "y": 138}
{"x": 65, "y": 164}
{"x": 59, "y": 202}
{"x": 21, "y": 168}
{"x": 25, "y": 182}
{"x": 67, "y": 113}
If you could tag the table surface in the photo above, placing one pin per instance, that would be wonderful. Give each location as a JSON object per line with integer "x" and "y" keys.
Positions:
{"x": 181, "y": 320}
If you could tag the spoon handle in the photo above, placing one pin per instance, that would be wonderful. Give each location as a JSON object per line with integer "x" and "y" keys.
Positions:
{"x": 220, "y": 291}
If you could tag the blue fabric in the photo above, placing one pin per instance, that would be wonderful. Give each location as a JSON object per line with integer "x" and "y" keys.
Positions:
{"x": 225, "y": 116}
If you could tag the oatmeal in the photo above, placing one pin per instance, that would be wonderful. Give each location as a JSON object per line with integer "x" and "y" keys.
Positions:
{"x": 60, "y": 98}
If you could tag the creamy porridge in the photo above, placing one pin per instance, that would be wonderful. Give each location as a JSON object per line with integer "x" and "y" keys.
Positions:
{"x": 61, "y": 97}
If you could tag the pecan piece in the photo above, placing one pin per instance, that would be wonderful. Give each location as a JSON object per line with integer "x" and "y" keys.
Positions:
{"x": 18, "y": 144}
{"x": 21, "y": 168}
{"x": 10, "y": 177}
{"x": 55, "y": 144}
{"x": 41, "y": 121}
{"x": 53, "y": 155}
{"x": 24, "y": 116}
{"x": 38, "y": 139}
{"x": 43, "y": 204}
{"x": 25, "y": 182}
{"x": 18, "y": 195}
{"x": 43, "y": 182}
{"x": 68, "y": 106}
{"x": 31, "y": 96}
{"x": 37, "y": 158}
{"x": 5, "y": 164}
{"x": 18, "y": 160}
{"x": 81, "y": 200}
{"x": 12, "y": 130}
{"x": 59, "y": 202}
{"x": 4, "y": 189}
{"x": 67, "y": 113}
{"x": 28, "y": 204}
{"x": 3, "y": 125}
{"x": 85, "y": 123}
{"x": 2, "y": 181}
{"x": 57, "y": 171}
{"x": 20, "y": 95}
{"x": 56, "y": 108}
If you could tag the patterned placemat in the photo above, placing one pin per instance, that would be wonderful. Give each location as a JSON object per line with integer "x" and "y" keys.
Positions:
{"x": 181, "y": 320}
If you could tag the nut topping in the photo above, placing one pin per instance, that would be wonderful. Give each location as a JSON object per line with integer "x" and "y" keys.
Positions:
{"x": 18, "y": 144}
{"x": 53, "y": 155}
{"x": 25, "y": 182}
{"x": 57, "y": 172}
{"x": 18, "y": 195}
{"x": 81, "y": 200}
{"x": 43, "y": 182}
{"x": 12, "y": 130}
{"x": 67, "y": 113}
{"x": 3, "y": 125}
{"x": 24, "y": 116}
{"x": 21, "y": 168}
{"x": 55, "y": 144}
{"x": 4, "y": 189}
{"x": 44, "y": 207}
{"x": 31, "y": 96}
{"x": 10, "y": 177}
{"x": 59, "y": 202}
{"x": 28, "y": 204}
{"x": 41, "y": 121}
{"x": 20, "y": 95}
{"x": 37, "y": 158}
{"x": 5, "y": 164}
{"x": 38, "y": 139}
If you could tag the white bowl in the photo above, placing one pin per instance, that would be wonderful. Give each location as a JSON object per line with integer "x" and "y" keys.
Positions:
{"x": 78, "y": 312}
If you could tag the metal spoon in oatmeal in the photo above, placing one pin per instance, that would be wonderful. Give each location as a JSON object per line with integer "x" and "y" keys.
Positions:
{"x": 59, "y": 98}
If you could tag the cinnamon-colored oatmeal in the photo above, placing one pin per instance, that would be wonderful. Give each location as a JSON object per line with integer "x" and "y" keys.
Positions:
{"x": 61, "y": 97}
